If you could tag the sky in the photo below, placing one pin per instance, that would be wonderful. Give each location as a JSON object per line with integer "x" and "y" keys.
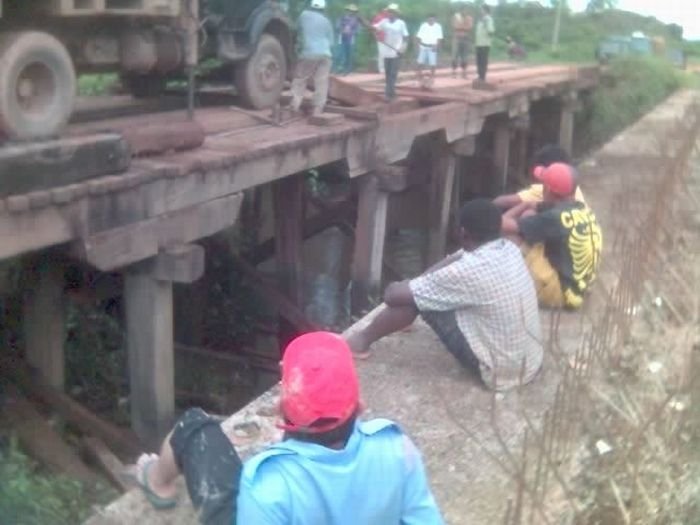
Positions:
{"x": 685, "y": 13}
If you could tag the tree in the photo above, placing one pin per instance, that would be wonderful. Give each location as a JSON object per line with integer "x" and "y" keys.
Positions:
{"x": 599, "y": 5}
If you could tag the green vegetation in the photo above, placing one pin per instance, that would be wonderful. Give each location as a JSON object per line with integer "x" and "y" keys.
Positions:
{"x": 97, "y": 84}
{"x": 631, "y": 89}
{"x": 29, "y": 496}
{"x": 530, "y": 25}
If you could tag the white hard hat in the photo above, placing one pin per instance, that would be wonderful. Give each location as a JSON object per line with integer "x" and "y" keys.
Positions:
{"x": 318, "y": 4}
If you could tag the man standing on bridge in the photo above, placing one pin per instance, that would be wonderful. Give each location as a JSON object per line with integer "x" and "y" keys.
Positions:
{"x": 315, "y": 58}
{"x": 462, "y": 24}
{"x": 480, "y": 301}
{"x": 429, "y": 39}
{"x": 562, "y": 239}
{"x": 484, "y": 32}
{"x": 395, "y": 34}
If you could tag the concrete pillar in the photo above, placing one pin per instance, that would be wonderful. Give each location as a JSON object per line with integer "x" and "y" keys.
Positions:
{"x": 288, "y": 203}
{"x": 501, "y": 153}
{"x": 148, "y": 294}
{"x": 370, "y": 231}
{"x": 441, "y": 188}
{"x": 44, "y": 319}
{"x": 149, "y": 327}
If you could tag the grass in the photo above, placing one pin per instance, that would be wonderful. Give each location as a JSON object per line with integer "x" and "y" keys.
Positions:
{"x": 632, "y": 88}
{"x": 29, "y": 496}
{"x": 97, "y": 83}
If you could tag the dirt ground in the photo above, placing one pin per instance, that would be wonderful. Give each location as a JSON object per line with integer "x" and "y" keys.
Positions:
{"x": 467, "y": 434}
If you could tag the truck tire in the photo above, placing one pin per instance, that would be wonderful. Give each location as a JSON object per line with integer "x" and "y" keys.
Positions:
{"x": 37, "y": 85}
{"x": 260, "y": 79}
{"x": 144, "y": 86}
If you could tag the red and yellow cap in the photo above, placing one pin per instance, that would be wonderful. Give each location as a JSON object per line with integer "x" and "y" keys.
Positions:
{"x": 559, "y": 178}
{"x": 319, "y": 382}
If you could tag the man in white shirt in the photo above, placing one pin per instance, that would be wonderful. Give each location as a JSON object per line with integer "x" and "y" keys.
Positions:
{"x": 395, "y": 33}
{"x": 429, "y": 39}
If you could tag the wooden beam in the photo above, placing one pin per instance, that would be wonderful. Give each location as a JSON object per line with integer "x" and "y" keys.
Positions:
{"x": 350, "y": 94}
{"x": 121, "y": 440}
{"x": 149, "y": 327}
{"x": 288, "y": 203}
{"x": 336, "y": 215}
{"x": 501, "y": 153}
{"x": 370, "y": 232}
{"x": 287, "y": 309}
{"x": 35, "y": 166}
{"x": 179, "y": 264}
{"x": 44, "y": 320}
{"x": 141, "y": 240}
{"x": 40, "y": 440}
{"x": 107, "y": 462}
{"x": 440, "y": 200}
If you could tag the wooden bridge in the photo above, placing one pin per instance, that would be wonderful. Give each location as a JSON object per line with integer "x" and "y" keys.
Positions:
{"x": 143, "y": 216}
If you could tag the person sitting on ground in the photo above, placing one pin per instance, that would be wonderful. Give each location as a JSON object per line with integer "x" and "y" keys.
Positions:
{"x": 515, "y": 51}
{"x": 198, "y": 449}
{"x": 562, "y": 239}
{"x": 331, "y": 468}
{"x": 534, "y": 193}
{"x": 480, "y": 301}
{"x": 429, "y": 38}
{"x": 315, "y": 59}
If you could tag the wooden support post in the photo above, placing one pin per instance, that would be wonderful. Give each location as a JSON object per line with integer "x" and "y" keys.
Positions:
{"x": 569, "y": 106}
{"x": 501, "y": 153}
{"x": 440, "y": 191}
{"x": 566, "y": 129}
{"x": 149, "y": 325}
{"x": 288, "y": 202}
{"x": 44, "y": 322}
{"x": 369, "y": 243}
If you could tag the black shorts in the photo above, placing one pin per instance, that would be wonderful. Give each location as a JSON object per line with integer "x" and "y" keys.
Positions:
{"x": 444, "y": 324}
{"x": 210, "y": 464}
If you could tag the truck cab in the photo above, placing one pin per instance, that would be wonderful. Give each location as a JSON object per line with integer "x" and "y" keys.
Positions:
{"x": 45, "y": 44}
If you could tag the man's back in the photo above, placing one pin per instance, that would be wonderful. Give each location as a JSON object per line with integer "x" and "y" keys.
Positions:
{"x": 377, "y": 479}
{"x": 316, "y": 34}
{"x": 495, "y": 303}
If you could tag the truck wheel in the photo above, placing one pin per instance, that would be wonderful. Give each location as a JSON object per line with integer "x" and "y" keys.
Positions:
{"x": 260, "y": 79}
{"x": 37, "y": 85}
{"x": 144, "y": 86}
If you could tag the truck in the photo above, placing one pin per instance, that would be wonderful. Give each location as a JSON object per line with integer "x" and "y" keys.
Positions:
{"x": 46, "y": 44}
{"x": 638, "y": 44}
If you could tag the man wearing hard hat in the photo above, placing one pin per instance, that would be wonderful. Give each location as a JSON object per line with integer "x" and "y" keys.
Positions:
{"x": 315, "y": 58}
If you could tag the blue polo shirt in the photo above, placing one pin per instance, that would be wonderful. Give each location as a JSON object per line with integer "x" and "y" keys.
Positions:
{"x": 377, "y": 479}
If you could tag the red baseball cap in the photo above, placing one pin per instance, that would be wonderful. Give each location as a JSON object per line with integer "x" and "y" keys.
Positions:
{"x": 559, "y": 178}
{"x": 318, "y": 382}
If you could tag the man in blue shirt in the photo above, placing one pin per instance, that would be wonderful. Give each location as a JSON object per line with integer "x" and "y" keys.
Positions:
{"x": 315, "y": 57}
{"x": 348, "y": 27}
{"x": 332, "y": 469}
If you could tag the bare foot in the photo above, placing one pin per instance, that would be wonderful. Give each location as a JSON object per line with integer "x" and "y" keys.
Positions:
{"x": 358, "y": 345}
{"x": 147, "y": 465}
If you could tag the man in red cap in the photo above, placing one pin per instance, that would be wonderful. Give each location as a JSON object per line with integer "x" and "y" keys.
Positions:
{"x": 332, "y": 469}
{"x": 545, "y": 156}
{"x": 562, "y": 239}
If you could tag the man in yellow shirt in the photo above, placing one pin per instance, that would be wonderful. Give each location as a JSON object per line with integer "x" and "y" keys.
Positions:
{"x": 560, "y": 238}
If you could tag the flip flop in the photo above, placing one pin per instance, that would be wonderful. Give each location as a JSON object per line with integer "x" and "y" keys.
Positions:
{"x": 158, "y": 502}
{"x": 362, "y": 356}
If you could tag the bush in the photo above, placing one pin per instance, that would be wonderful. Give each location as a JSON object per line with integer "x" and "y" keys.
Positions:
{"x": 30, "y": 497}
{"x": 634, "y": 87}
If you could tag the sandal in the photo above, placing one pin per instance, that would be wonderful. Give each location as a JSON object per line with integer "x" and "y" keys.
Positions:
{"x": 158, "y": 502}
